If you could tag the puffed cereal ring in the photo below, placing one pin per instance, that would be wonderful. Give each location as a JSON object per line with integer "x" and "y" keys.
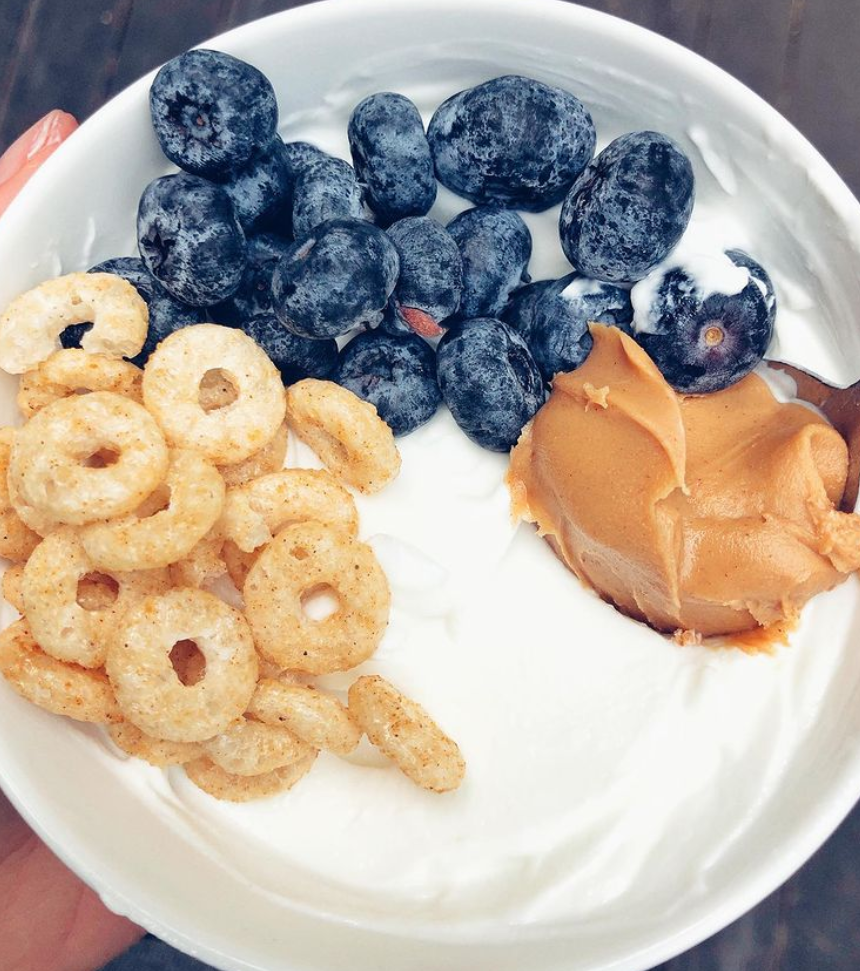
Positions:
{"x": 310, "y": 714}
{"x": 216, "y": 390}
{"x": 188, "y": 661}
{"x": 252, "y": 748}
{"x": 97, "y": 591}
{"x": 345, "y": 432}
{"x": 61, "y": 626}
{"x": 37, "y": 522}
{"x": 401, "y": 729}
{"x": 203, "y": 563}
{"x": 12, "y": 579}
{"x": 171, "y": 391}
{"x": 73, "y": 371}
{"x": 254, "y": 512}
{"x": 31, "y": 325}
{"x": 300, "y": 561}
{"x": 65, "y": 689}
{"x": 212, "y": 779}
{"x": 156, "y": 751}
{"x": 270, "y": 458}
{"x": 17, "y": 540}
{"x": 148, "y": 689}
{"x": 238, "y": 563}
{"x": 49, "y": 469}
{"x": 274, "y": 672}
{"x": 196, "y": 498}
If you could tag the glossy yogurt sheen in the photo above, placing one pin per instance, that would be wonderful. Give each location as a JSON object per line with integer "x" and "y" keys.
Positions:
{"x": 611, "y": 774}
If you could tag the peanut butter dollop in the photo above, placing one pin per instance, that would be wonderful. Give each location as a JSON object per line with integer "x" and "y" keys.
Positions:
{"x": 713, "y": 513}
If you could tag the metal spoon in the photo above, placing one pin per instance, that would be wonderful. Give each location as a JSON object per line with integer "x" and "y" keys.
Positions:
{"x": 841, "y": 406}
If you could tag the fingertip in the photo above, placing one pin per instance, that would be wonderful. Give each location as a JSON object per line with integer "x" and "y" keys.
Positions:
{"x": 53, "y": 129}
{"x": 29, "y": 152}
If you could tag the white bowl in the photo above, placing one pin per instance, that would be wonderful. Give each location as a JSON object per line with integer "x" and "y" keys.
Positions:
{"x": 136, "y": 845}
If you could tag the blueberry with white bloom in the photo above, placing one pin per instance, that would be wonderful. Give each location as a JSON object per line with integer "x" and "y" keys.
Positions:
{"x": 628, "y": 209}
{"x": 560, "y": 339}
{"x": 512, "y": 141}
{"x": 706, "y": 322}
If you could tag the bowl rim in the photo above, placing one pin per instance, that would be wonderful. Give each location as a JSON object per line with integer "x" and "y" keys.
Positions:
{"x": 809, "y": 834}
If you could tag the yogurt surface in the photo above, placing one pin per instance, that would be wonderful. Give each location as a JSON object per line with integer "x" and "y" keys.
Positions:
{"x": 610, "y": 772}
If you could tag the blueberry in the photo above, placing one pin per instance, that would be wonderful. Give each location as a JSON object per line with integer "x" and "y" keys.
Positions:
{"x": 391, "y": 156}
{"x": 212, "y": 112}
{"x": 254, "y": 295}
{"x": 74, "y": 334}
{"x": 335, "y": 279}
{"x": 560, "y": 338}
{"x": 705, "y": 324}
{"x": 295, "y": 357}
{"x": 512, "y": 142}
{"x": 519, "y": 313}
{"x": 325, "y": 189}
{"x": 757, "y": 272}
{"x": 397, "y": 374}
{"x": 392, "y": 321}
{"x": 431, "y": 273}
{"x": 299, "y": 155}
{"x": 628, "y": 209}
{"x": 262, "y": 190}
{"x": 190, "y": 239}
{"x": 495, "y": 245}
{"x": 166, "y": 313}
{"x": 489, "y": 380}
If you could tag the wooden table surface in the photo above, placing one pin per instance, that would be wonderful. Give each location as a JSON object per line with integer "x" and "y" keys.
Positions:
{"x": 800, "y": 55}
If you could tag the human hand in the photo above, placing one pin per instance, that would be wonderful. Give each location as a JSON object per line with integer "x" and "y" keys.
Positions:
{"x": 50, "y": 920}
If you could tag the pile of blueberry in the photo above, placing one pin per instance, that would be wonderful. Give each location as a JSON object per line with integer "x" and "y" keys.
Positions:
{"x": 301, "y": 249}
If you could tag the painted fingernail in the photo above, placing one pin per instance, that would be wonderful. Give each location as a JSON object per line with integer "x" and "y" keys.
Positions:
{"x": 48, "y": 132}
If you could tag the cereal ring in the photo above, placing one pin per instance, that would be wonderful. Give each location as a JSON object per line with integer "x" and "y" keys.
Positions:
{"x": 238, "y": 563}
{"x": 156, "y": 751}
{"x": 401, "y": 729}
{"x": 61, "y": 626}
{"x": 31, "y": 326}
{"x": 188, "y": 661}
{"x": 270, "y": 458}
{"x": 196, "y": 498}
{"x": 12, "y": 586}
{"x": 148, "y": 689}
{"x": 97, "y": 591}
{"x": 252, "y": 748}
{"x": 254, "y": 512}
{"x": 48, "y": 466}
{"x": 243, "y": 788}
{"x": 37, "y": 522}
{"x": 274, "y": 672}
{"x": 203, "y": 564}
{"x": 216, "y": 390}
{"x": 171, "y": 391}
{"x": 65, "y": 689}
{"x": 316, "y": 718}
{"x": 345, "y": 432}
{"x": 301, "y": 560}
{"x": 17, "y": 540}
{"x": 73, "y": 371}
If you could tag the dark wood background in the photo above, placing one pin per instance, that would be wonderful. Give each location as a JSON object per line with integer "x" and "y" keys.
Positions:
{"x": 800, "y": 55}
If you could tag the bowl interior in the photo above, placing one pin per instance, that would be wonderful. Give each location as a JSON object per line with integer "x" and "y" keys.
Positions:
{"x": 135, "y": 844}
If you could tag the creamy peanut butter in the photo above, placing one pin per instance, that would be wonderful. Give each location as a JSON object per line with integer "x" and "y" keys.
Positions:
{"x": 713, "y": 513}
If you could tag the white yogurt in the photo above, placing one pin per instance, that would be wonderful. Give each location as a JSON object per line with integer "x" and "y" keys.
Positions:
{"x": 609, "y": 771}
